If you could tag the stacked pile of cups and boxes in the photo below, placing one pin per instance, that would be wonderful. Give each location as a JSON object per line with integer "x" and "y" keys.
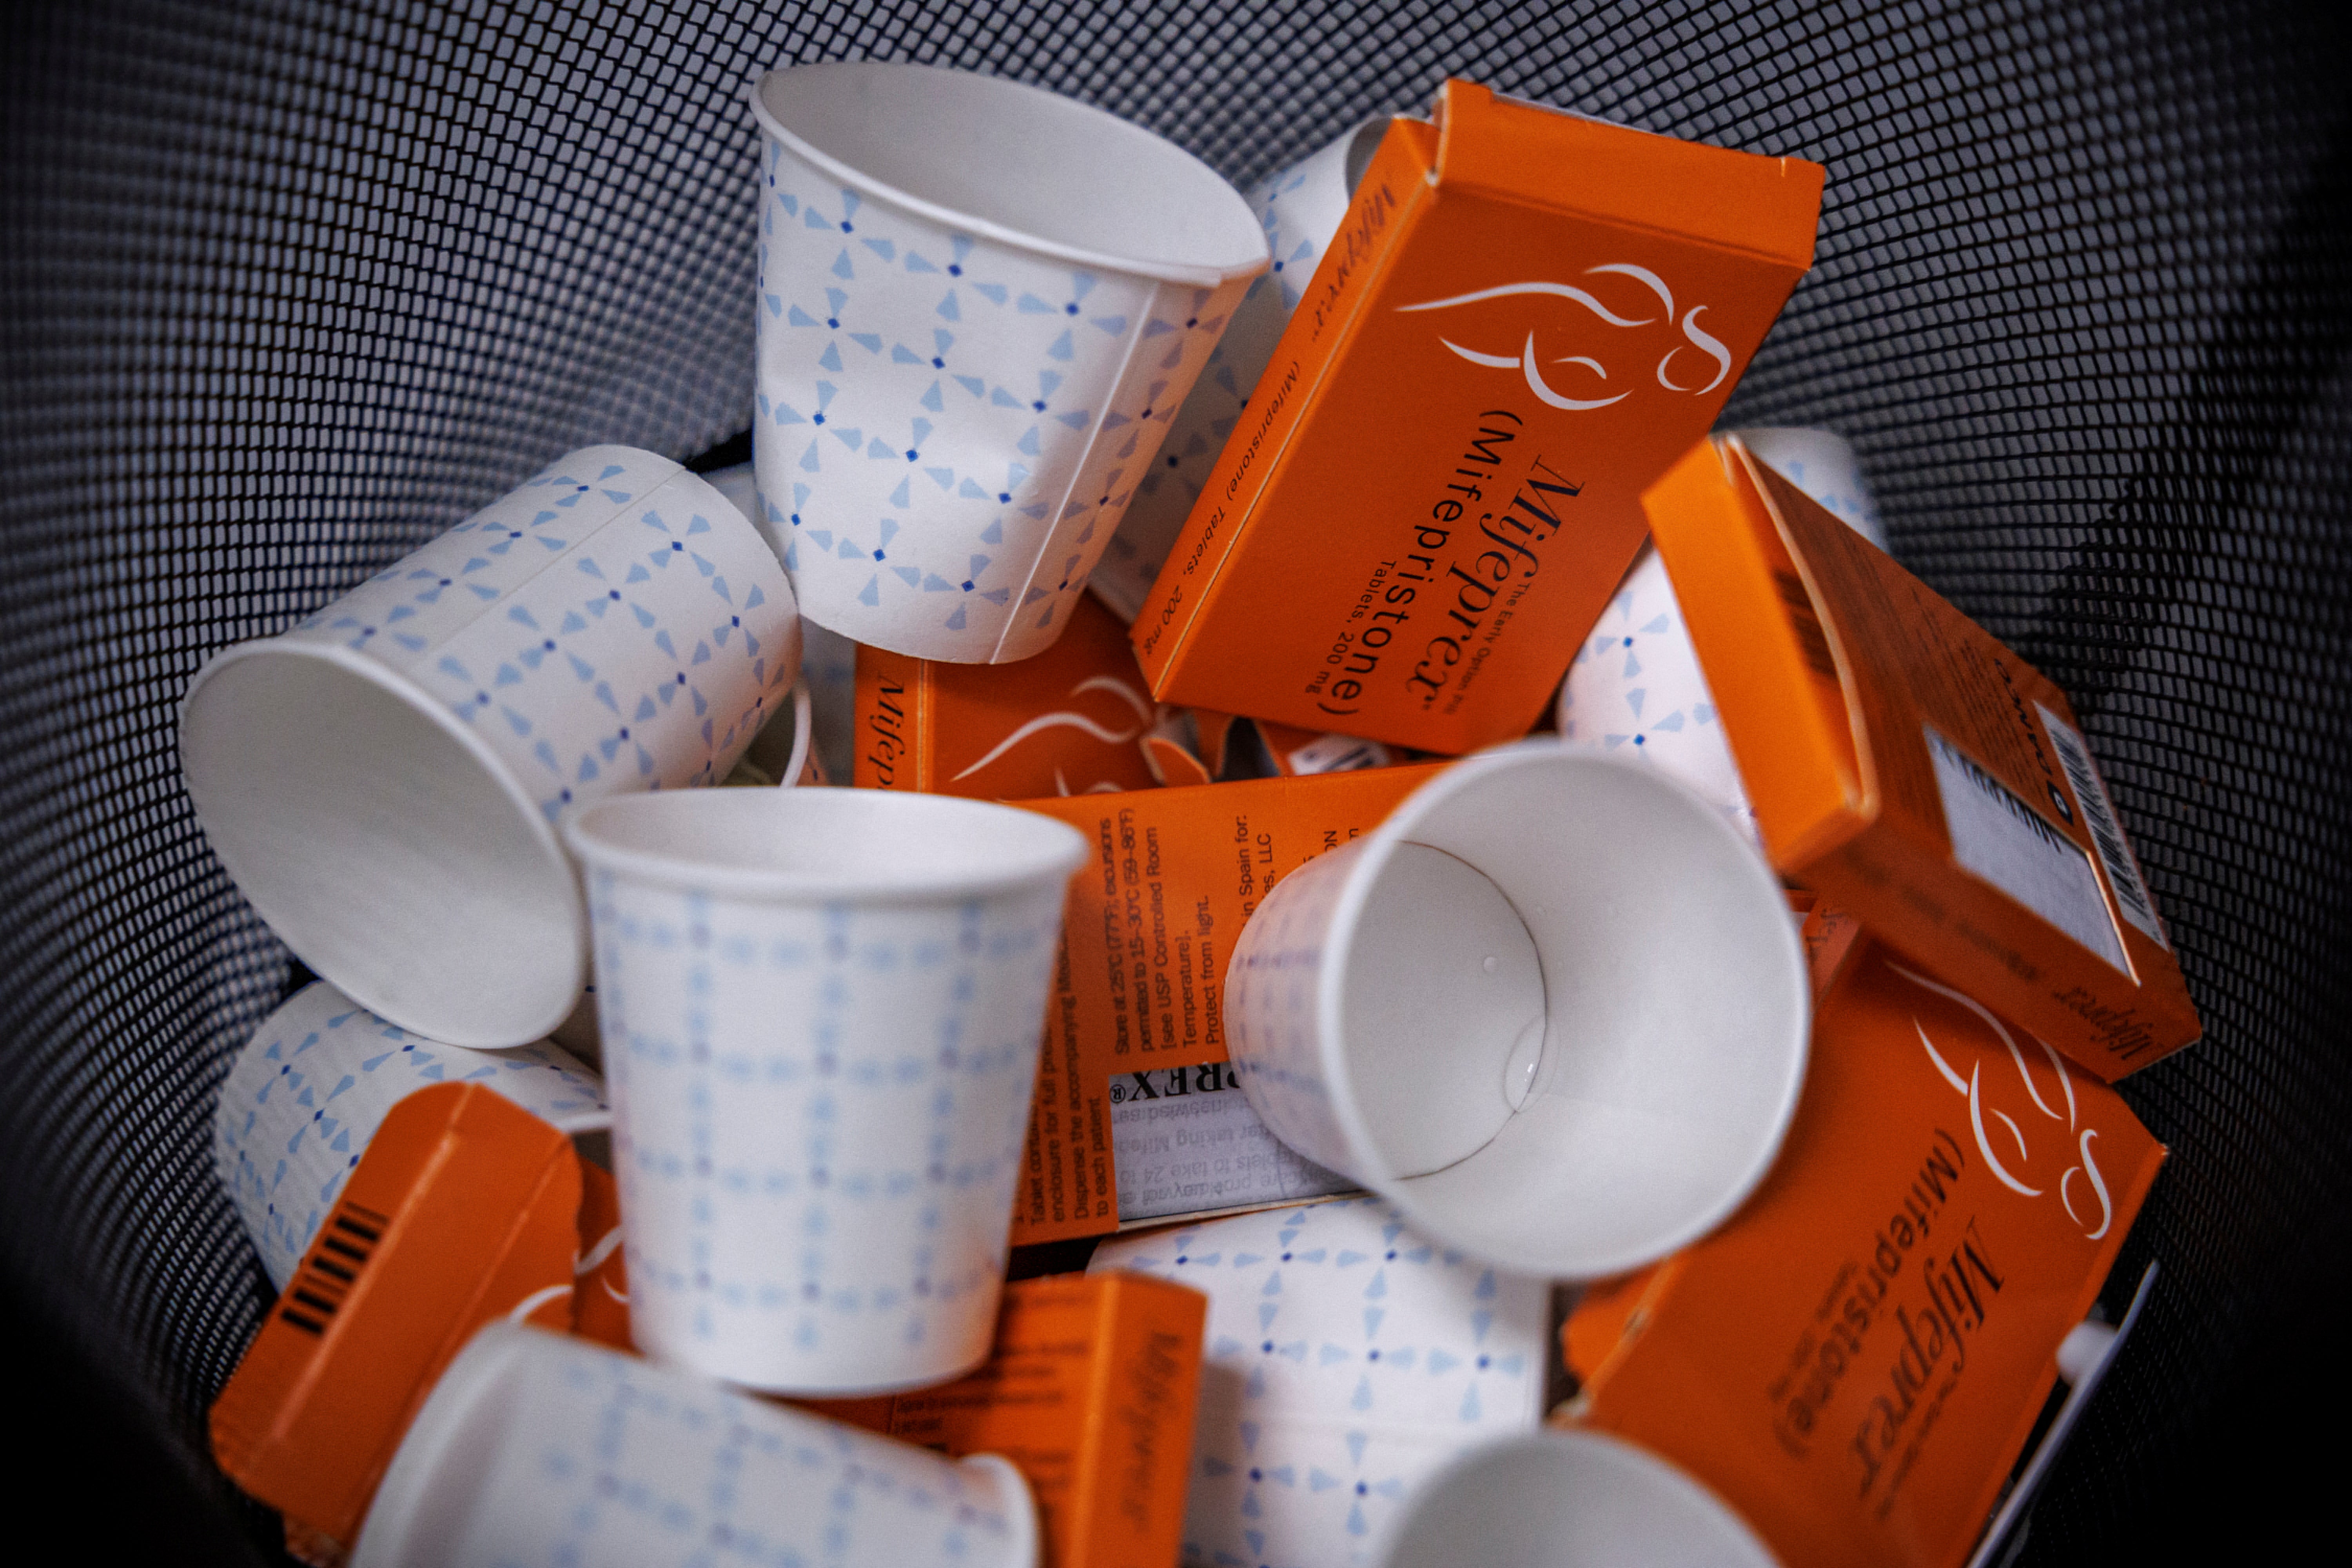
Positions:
{"x": 1537, "y": 999}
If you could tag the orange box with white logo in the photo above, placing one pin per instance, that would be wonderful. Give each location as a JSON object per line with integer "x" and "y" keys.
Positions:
{"x": 466, "y": 1208}
{"x": 1527, "y": 316}
{"x": 1855, "y": 1360}
{"x": 1910, "y": 768}
{"x": 1135, "y": 1118}
{"x": 1089, "y": 1391}
{"x": 1068, "y": 721}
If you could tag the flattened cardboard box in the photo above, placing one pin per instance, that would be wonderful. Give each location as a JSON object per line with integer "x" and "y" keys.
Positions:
{"x": 1525, "y": 318}
{"x": 1856, "y": 1358}
{"x": 1089, "y": 1391}
{"x": 1135, "y": 1117}
{"x": 1068, "y": 721}
{"x": 1915, "y": 771}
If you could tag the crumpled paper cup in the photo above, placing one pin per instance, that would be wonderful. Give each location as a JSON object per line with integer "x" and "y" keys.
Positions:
{"x": 384, "y": 780}
{"x": 979, "y": 306}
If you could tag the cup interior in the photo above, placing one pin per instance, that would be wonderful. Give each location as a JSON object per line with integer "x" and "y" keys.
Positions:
{"x": 1569, "y": 1012}
{"x": 386, "y": 844}
{"x": 1019, "y": 164}
{"x": 1566, "y": 1500}
{"x": 817, "y": 843}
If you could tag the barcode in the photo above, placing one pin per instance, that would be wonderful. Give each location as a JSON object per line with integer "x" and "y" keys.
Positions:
{"x": 2000, "y": 839}
{"x": 345, "y": 1244}
{"x": 2099, "y": 815}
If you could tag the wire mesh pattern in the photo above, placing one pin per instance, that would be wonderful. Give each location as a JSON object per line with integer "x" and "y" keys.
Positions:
{"x": 287, "y": 290}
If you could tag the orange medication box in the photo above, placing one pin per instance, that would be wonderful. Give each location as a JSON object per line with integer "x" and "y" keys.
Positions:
{"x": 1527, "y": 316}
{"x": 1089, "y": 1391}
{"x": 1135, "y": 1115}
{"x": 1855, "y": 1360}
{"x": 1069, "y": 720}
{"x": 464, "y": 1208}
{"x": 1913, "y": 771}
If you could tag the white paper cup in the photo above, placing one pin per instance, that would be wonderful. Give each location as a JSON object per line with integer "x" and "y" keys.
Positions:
{"x": 1553, "y": 1008}
{"x": 1300, "y": 207}
{"x": 384, "y": 780}
{"x": 308, "y": 1092}
{"x": 1635, "y": 689}
{"x": 820, "y": 1011}
{"x": 1823, "y": 464}
{"x": 534, "y": 1447}
{"x": 829, "y": 659}
{"x": 979, "y": 306}
{"x": 1345, "y": 1359}
{"x": 1569, "y": 1500}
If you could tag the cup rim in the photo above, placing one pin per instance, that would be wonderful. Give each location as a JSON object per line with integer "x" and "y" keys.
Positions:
{"x": 477, "y": 1373}
{"x": 1054, "y": 852}
{"x": 1380, "y": 845}
{"x": 1199, "y": 276}
{"x": 1595, "y": 1448}
{"x": 541, "y": 834}
{"x": 1019, "y": 1503}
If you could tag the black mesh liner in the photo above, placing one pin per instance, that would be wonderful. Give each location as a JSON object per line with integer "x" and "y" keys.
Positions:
{"x": 289, "y": 288}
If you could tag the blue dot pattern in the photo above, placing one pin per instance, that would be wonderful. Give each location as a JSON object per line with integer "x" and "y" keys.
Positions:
{"x": 317, "y": 1079}
{"x": 605, "y": 1459}
{"x": 1301, "y": 207}
{"x": 1346, "y": 1360}
{"x": 1635, "y": 688}
{"x": 613, "y": 623}
{"x": 1272, "y": 1012}
{"x": 819, "y": 1117}
{"x": 949, "y": 429}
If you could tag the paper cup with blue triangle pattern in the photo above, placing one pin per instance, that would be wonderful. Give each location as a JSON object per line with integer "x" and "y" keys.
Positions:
{"x": 308, "y": 1090}
{"x": 536, "y": 1447}
{"x": 384, "y": 781}
{"x": 1636, "y": 689}
{"x": 1824, "y": 465}
{"x": 980, "y": 307}
{"x": 1553, "y": 1008}
{"x": 1345, "y": 1359}
{"x": 1301, "y": 207}
{"x": 821, "y": 1010}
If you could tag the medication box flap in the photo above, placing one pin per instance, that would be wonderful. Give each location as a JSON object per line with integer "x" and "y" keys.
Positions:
{"x": 1538, "y": 156}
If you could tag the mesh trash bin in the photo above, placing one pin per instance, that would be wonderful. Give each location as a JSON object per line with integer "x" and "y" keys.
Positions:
{"x": 288, "y": 288}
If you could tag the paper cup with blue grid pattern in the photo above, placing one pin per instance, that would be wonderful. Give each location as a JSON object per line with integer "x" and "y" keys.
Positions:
{"x": 1553, "y": 1008}
{"x": 980, "y": 305}
{"x": 384, "y": 781}
{"x": 820, "y": 1011}
{"x": 1301, "y": 207}
{"x": 534, "y": 1447}
{"x": 1345, "y": 1359}
{"x": 309, "y": 1088}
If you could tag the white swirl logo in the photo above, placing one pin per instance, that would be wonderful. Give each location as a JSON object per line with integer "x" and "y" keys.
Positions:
{"x": 1529, "y": 365}
{"x": 1064, "y": 719}
{"x": 1972, "y": 1088}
